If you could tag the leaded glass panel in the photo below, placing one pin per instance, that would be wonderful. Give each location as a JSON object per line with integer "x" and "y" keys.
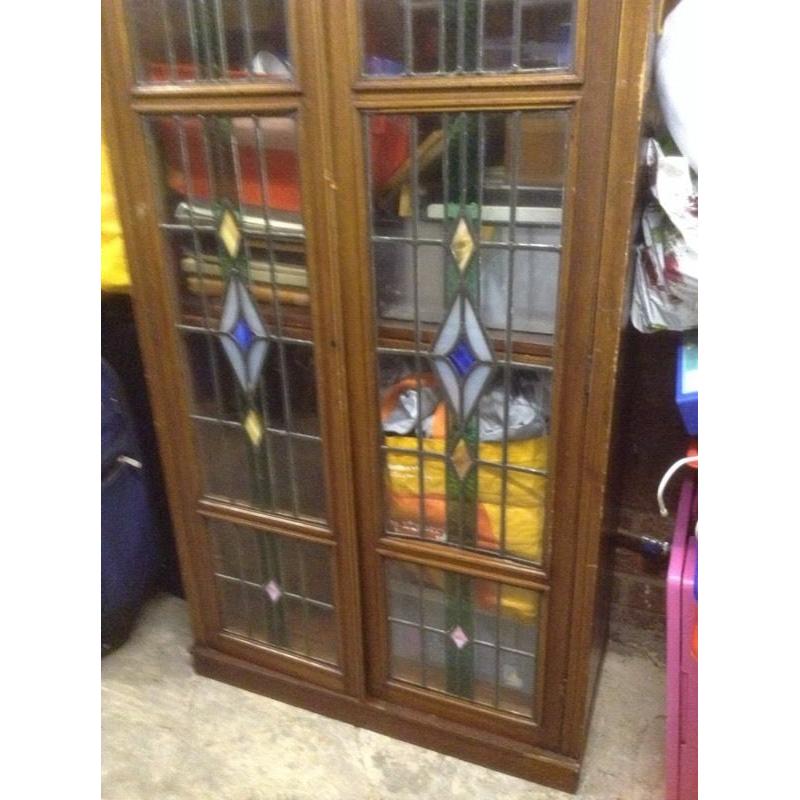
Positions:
{"x": 177, "y": 41}
{"x": 231, "y": 216}
{"x": 466, "y": 243}
{"x": 423, "y": 37}
{"x": 275, "y": 590}
{"x": 469, "y": 637}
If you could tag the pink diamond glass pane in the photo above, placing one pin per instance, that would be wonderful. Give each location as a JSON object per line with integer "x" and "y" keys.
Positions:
{"x": 274, "y": 591}
{"x": 460, "y": 639}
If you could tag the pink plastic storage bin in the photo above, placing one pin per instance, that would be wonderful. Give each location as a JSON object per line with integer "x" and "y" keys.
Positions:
{"x": 681, "y": 750}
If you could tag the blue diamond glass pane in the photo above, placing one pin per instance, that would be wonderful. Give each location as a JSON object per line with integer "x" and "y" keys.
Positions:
{"x": 243, "y": 335}
{"x": 461, "y": 357}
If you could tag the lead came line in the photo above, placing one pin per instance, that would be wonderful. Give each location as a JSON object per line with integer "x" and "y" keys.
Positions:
{"x": 244, "y": 595}
{"x": 417, "y": 337}
{"x": 264, "y": 176}
{"x": 379, "y": 238}
{"x": 169, "y": 42}
{"x": 223, "y": 48}
{"x": 512, "y": 235}
{"x": 407, "y": 38}
{"x": 300, "y": 551}
{"x": 262, "y": 391}
{"x": 479, "y": 37}
{"x": 460, "y": 36}
{"x": 190, "y": 193}
{"x": 442, "y": 37}
{"x": 192, "y": 22}
{"x": 516, "y": 36}
{"x": 248, "y": 37}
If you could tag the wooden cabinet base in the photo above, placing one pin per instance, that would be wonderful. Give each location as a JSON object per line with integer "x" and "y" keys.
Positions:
{"x": 425, "y": 730}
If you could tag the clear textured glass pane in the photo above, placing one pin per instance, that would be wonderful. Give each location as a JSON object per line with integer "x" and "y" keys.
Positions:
{"x": 475, "y": 638}
{"x": 227, "y": 551}
{"x": 435, "y": 649}
{"x": 300, "y": 414}
{"x": 533, "y": 302}
{"x": 281, "y": 453}
{"x": 225, "y": 461}
{"x": 322, "y": 635}
{"x": 466, "y": 234}
{"x": 213, "y": 379}
{"x": 516, "y": 683}
{"x": 302, "y": 389}
{"x": 317, "y": 574}
{"x": 484, "y": 674}
{"x": 310, "y": 483}
{"x": 404, "y": 591}
{"x": 232, "y": 606}
{"x": 191, "y": 40}
{"x": 275, "y": 590}
{"x": 407, "y": 37}
{"x": 231, "y": 215}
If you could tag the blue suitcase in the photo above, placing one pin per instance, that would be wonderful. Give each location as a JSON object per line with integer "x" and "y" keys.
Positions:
{"x": 130, "y": 544}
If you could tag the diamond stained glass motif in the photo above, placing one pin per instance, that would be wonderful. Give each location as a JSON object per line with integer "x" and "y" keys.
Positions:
{"x": 273, "y": 591}
{"x": 463, "y": 359}
{"x": 242, "y": 334}
{"x": 462, "y": 245}
{"x": 460, "y": 639}
{"x": 229, "y": 233}
{"x": 461, "y": 459}
{"x": 253, "y": 427}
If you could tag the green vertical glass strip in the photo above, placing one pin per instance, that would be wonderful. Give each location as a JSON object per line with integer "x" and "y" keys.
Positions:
{"x": 271, "y": 567}
{"x": 207, "y": 36}
{"x": 463, "y": 153}
{"x": 462, "y": 492}
{"x": 458, "y": 614}
{"x": 223, "y": 174}
{"x": 468, "y": 46}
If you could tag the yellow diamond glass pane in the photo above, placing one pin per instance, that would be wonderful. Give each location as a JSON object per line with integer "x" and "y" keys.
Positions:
{"x": 229, "y": 234}
{"x": 462, "y": 245}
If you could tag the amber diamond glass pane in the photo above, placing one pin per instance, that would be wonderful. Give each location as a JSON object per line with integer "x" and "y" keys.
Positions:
{"x": 462, "y": 245}
{"x": 461, "y": 459}
{"x": 229, "y": 233}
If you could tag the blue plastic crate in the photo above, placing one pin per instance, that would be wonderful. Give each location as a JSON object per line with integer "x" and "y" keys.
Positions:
{"x": 686, "y": 381}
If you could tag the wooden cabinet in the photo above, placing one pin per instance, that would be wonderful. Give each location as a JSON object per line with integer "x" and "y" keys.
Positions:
{"x": 380, "y": 266}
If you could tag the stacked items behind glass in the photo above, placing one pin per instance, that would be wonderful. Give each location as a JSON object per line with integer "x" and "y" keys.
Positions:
{"x": 532, "y": 206}
{"x": 511, "y": 473}
{"x": 405, "y": 410}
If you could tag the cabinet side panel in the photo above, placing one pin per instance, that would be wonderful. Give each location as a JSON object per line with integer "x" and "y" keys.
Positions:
{"x": 592, "y": 580}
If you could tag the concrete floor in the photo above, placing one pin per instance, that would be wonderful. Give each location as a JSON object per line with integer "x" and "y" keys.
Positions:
{"x": 169, "y": 734}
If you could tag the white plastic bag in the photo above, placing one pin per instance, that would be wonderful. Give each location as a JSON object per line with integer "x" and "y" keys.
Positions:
{"x": 666, "y": 264}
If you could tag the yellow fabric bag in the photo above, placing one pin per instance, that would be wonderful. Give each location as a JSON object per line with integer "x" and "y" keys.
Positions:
{"x": 524, "y": 506}
{"x": 114, "y": 273}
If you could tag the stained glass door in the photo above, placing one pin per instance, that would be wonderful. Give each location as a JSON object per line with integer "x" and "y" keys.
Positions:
{"x": 475, "y": 245}
{"x": 465, "y": 254}
{"x": 225, "y": 119}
